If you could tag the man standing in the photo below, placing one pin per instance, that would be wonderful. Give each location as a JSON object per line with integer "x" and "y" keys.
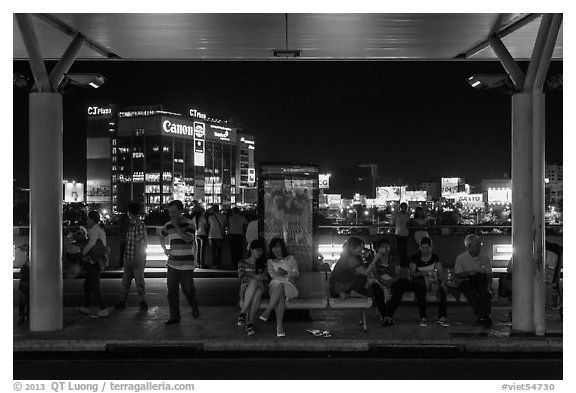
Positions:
{"x": 217, "y": 223}
{"x": 400, "y": 221}
{"x": 236, "y": 228}
{"x": 475, "y": 272}
{"x": 180, "y": 234}
{"x": 134, "y": 258}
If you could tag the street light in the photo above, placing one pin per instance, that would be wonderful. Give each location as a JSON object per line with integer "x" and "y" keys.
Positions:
{"x": 82, "y": 80}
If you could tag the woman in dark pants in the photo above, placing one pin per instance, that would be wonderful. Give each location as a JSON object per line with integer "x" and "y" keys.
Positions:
{"x": 424, "y": 266}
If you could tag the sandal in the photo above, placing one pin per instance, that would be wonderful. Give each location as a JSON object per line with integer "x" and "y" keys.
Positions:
{"x": 250, "y": 330}
{"x": 263, "y": 318}
{"x": 241, "y": 319}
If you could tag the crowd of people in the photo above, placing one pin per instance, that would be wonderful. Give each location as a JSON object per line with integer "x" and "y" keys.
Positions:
{"x": 270, "y": 271}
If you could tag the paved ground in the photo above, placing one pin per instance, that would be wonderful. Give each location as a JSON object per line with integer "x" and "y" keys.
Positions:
{"x": 216, "y": 330}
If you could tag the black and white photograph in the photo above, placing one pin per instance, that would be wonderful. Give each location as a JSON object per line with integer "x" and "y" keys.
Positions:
{"x": 211, "y": 199}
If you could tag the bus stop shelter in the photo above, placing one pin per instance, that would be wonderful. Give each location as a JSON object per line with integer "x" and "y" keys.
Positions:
{"x": 507, "y": 38}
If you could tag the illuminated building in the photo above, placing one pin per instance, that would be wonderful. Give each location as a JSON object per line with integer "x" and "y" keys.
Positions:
{"x": 152, "y": 156}
{"x": 554, "y": 173}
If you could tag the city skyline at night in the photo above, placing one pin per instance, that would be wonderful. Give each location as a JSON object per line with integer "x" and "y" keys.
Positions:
{"x": 416, "y": 120}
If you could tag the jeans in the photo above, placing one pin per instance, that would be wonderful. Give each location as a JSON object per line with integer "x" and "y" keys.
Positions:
{"x": 402, "y": 244}
{"x": 92, "y": 285}
{"x": 476, "y": 291}
{"x": 398, "y": 289}
{"x": 176, "y": 279}
{"x": 201, "y": 242}
{"x": 133, "y": 269}
{"x": 216, "y": 246}
{"x": 236, "y": 243}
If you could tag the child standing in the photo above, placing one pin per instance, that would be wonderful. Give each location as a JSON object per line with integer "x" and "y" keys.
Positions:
{"x": 253, "y": 280}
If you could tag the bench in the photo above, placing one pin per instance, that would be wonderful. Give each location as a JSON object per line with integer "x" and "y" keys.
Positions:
{"x": 314, "y": 294}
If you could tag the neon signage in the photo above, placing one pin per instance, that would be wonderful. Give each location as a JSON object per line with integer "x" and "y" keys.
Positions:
{"x": 176, "y": 128}
{"x": 196, "y": 113}
{"x": 97, "y": 111}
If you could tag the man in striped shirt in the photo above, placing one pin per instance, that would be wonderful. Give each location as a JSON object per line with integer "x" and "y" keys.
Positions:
{"x": 134, "y": 258}
{"x": 180, "y": 233}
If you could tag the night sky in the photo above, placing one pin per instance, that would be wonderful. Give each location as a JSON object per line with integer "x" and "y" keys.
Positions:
{"x": 418, "y": 121}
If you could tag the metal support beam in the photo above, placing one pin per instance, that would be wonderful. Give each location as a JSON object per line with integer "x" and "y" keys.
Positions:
{"x": 537, "y": 51}
{"x": 66, "y": 61}
{"x": 507, "y": 61}
{"x": 64, "y": 28}
{"x": 34, "y": 55}
{"x": 45, "y": 211}
{"x": 547, "y": 52}
{"x": 522, "y": 217}
{"x": 515, "y": 25}
{"x": 538, "y": 170}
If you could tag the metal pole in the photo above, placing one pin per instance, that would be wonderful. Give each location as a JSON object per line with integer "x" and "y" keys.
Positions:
{"x": 522, "y": 217}
{"x": 34, "y": 55}
{"x": 66, "y": 61}
{"x": 45, "y": 211}
{"x": 538, "y": 160}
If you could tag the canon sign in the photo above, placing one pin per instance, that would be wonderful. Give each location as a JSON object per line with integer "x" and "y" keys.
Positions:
{"x": 176, "y": 128}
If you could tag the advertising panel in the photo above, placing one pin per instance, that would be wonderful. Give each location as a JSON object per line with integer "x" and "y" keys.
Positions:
{"x": 414, "y": 196}
{"x": 199, "y": 143}
{"x": 324, "y": 181}
{"x": 220, "y": 133}
{"x": 334, "y": 200}
{"x": 388, "y": 194}
{"x": 499, "y": 195}
{"x": 288, "y": 214}
{"x": 471, "y": 200}
{"x": 73, "y": 192}
{"x": 451, "y": 186}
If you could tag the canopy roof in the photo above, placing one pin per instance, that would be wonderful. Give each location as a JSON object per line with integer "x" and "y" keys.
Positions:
{"x": 256, "y": 36}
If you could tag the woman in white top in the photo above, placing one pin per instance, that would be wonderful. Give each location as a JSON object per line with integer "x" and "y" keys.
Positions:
{"x": 92, "y": 268}
{"x": 283, "y": 268}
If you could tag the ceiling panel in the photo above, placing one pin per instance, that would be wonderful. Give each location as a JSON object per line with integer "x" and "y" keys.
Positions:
{"x": 255, "y": 36}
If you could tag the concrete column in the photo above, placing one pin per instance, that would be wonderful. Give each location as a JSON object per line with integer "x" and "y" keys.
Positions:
{"x": 45, "y": 211}
{"x": 522, "y": 216}
{"x": 538, "y": 168}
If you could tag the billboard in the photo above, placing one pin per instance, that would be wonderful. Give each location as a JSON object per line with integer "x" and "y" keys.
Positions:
{"x": 324, "y": 181}
{"x": 199, "y": 143}
{"x": 73, "y": 192}
{"x": 451, "y": 186}
{"x": 388, "y": 194}
{"x": 471, "y": 200}
{"x": 499, "y": 195}
{"x": 334, "y": 200}
{"x": 289, "y": 206}
{"x": 414, "y": 196}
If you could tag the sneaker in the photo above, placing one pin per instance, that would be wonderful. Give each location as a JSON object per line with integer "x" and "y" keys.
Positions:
{"x": 195, "y": 311}
{"x": 423, "y": 322}
{"x": 143, "y": 305}
{"x": 100, "y": 314}
{"x": 172, "y": 321}
{"x": 443, "y": 322}
{"x": 242, "y": 320}
{"x": 120, "y": 305}
{"x": 250, "y": 330}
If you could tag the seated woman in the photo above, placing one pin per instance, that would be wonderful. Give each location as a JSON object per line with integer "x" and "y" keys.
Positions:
{"x": 350, "y": 278}
{"x": 426, "y": 272}
{"x": 253, "y": 283}
{"x": 282, "y": 267}
{"x": 387, "y": 268}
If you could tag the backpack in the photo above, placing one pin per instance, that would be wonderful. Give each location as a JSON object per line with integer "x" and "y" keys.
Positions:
{"x": 99, "y": 254}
